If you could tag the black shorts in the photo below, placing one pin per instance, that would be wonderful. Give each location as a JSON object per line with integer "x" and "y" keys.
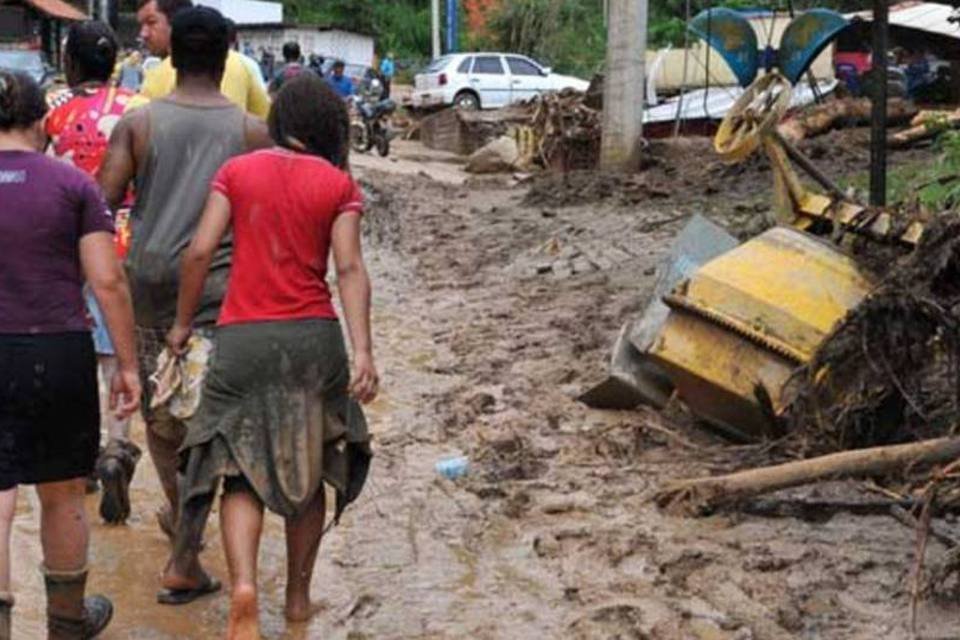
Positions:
{"x": 49, "y": 408}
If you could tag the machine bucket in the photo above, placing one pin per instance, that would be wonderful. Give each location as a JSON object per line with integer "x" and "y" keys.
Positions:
{"x": 740, "y": 326}
{"x": 634, "y": 379}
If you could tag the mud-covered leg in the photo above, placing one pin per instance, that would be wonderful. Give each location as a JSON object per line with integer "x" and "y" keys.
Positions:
{"x": 241, "y": 521}
{"x": 64, "y": 535}
{"x": 184, "y": 571}
{"x": 303, "y": 543}
{"x": 163, "y": 452}
{"x": 8, "y": 503}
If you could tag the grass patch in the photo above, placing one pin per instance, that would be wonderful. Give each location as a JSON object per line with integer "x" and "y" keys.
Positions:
{"x": 928, "y": 186}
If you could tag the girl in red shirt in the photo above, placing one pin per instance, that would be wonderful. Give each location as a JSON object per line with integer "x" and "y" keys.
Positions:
{"x": 278, "y": 414}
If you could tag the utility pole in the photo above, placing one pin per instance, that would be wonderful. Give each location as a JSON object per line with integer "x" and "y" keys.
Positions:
{"x": 435, "y": 27}
{"x": 453, "y": 26}
{"x": 878, "y": 130}
{"x": 623, "y": 84}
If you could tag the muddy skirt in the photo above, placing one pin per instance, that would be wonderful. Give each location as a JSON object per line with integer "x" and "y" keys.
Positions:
{"x": 275, "y": 410}
{"x": 49, "y": 408}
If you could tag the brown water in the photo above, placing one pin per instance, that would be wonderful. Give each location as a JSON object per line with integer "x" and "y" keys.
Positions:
{"x": 552, "y": 534}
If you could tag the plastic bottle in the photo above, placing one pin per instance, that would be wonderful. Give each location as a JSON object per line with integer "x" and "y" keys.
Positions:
{"x": 453, "y": 468}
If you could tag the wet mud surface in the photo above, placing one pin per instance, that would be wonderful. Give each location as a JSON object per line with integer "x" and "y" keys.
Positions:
{"x": 492, "y": 313}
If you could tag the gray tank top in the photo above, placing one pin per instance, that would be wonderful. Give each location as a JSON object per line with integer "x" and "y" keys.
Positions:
{"x": 188, "y": 144}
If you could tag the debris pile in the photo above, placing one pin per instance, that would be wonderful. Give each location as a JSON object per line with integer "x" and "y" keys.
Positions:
{"x": 555, "y": 131}
{"x": 567, "y": 131}
{"x": 889, "y": 372}
{"x": 879, "y": 399}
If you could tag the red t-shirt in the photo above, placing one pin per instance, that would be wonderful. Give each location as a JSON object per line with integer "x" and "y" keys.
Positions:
{"x": 282, "y": 207}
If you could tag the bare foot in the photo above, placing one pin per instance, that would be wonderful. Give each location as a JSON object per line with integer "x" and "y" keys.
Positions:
{"x": 301, "y": 609}
{"x": 242, "y": 624}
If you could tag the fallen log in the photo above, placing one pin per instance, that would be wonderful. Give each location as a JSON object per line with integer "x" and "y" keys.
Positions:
{"x": 705, "y": 494}
{"x": 930, "y": 115}
{"x": 930, "y": 127}
{"x": 823, "y": 117}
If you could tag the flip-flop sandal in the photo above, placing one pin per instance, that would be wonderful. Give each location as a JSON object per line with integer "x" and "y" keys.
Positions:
{"x": 186, "y": 596}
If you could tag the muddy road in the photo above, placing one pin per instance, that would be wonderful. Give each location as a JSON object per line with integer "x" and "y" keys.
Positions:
{"x": 493, "y": 310}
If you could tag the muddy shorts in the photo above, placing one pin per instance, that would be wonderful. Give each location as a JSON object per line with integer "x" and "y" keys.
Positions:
{"x": 150, "y": 344}
{"x": 49, "y": 408}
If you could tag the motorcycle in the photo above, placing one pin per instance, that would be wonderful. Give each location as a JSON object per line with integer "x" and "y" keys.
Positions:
{"x": 368, "y": 128}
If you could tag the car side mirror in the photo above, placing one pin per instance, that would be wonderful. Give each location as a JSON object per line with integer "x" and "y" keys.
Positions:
{"x": 546, "y": 71}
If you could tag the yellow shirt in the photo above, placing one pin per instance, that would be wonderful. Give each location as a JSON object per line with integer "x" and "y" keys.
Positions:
{"x": 237, "y": 85}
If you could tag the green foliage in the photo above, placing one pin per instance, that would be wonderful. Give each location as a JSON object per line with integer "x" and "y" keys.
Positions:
{"x": 931, "y": 186}
{"x": 941, "y": 189}
{"x": 400, "y": 26}
{"x": 568, "y": 35}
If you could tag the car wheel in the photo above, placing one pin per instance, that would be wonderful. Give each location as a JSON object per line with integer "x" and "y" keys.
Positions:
{"x": 467, "y": 100}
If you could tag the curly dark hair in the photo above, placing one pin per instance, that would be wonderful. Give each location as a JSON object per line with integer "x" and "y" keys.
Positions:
{"x": 21, "y": 101}
{"x": 309, "y": 116}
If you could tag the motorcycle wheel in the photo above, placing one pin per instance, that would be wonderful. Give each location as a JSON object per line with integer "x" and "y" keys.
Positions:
{"x": 359, "y": 139}
{"x": 383, "y": 146}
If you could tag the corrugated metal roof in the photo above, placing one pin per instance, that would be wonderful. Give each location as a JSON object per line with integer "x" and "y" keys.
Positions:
{"x": 57, "y": 9}
{"x": 719, "y": 100}
{"x": 931, "y": 17}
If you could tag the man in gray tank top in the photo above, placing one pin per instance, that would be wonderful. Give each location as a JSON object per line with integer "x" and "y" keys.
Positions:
{"x": 170, "y": 150}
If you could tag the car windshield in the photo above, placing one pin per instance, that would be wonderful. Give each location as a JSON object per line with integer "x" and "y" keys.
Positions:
{"x": 439, "y": 64}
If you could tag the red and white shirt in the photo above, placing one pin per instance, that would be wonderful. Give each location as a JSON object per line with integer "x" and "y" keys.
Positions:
{"x": 79, "y": 124}
{"x": 282, "y": 207}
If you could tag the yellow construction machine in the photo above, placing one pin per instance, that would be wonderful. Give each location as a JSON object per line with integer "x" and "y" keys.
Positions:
{"x": 743, "y": 322}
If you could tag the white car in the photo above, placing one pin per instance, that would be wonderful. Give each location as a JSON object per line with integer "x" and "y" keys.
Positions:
{"x": 486, "y": 81}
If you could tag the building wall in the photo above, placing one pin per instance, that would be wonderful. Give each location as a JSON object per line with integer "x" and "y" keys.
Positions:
{"x": 247, "y": 11}
{"x": 352, "y": 48}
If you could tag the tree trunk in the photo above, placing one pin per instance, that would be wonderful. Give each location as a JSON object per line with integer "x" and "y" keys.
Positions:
{"x": 708, "y": 493}
{"x": 929, "y": 127}
{"x": 824, "y": 117}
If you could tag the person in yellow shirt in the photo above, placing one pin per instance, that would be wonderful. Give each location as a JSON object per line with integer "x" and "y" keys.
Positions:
{"x": 238, "y": 85}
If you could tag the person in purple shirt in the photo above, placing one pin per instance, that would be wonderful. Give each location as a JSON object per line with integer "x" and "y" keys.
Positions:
{"x": 55, "y": 233}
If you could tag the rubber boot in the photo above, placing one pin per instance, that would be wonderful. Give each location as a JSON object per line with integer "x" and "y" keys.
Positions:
{"x": 6, "y": 604}
{"x": 115, "y": 468}
{"x": 70, "y": 616}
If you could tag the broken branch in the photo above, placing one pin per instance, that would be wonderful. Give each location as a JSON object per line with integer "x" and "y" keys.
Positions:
{"x": 709, "y": 493}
